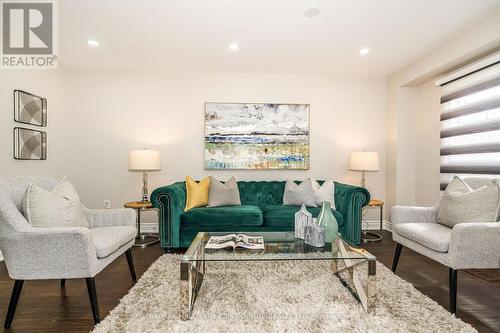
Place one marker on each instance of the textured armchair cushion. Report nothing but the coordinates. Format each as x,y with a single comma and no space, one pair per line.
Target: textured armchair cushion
431,235
481,205
223,194
230,216
109,239
60,207
284,216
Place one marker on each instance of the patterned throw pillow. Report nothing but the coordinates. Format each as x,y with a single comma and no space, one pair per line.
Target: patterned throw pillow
196,193
221,194
60,207
299,194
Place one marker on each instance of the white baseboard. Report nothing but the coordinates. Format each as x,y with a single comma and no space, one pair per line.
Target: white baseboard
372,225
375,225
149,227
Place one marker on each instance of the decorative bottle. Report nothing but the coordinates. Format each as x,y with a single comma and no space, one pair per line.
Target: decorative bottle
327,220
302,219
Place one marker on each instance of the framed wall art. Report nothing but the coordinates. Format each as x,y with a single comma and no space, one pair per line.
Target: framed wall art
30,109
29,144
256,136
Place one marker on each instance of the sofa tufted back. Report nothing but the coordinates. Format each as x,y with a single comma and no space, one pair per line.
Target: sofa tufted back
260,193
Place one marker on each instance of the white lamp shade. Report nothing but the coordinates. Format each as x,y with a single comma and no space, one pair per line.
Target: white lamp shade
364,161
144,160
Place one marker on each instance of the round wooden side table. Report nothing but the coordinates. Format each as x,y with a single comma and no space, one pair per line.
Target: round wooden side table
374,237
142,239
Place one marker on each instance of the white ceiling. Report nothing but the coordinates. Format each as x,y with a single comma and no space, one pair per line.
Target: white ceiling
273,35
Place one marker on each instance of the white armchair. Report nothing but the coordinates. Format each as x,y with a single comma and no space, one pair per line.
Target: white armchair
60,253
465,246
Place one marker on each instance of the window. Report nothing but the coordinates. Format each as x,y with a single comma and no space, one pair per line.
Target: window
470,124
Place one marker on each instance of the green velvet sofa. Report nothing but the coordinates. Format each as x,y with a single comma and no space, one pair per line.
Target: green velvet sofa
261,210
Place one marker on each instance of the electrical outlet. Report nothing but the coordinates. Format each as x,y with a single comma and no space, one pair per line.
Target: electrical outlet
107,204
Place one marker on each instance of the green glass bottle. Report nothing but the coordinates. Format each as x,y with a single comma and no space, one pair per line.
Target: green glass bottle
327,220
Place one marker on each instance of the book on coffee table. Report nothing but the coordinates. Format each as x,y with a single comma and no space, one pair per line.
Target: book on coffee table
235,241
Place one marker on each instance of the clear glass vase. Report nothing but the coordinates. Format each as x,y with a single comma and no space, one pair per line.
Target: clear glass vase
327,220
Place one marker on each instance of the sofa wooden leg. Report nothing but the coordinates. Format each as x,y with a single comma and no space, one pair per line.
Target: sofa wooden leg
130,261
397,253
453,289
93,299
63,283
16,292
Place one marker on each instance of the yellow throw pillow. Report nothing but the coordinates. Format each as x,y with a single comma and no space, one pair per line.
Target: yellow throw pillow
196,193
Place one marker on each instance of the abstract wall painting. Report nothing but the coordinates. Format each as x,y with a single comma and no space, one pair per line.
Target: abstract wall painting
256,136
29,144
30,109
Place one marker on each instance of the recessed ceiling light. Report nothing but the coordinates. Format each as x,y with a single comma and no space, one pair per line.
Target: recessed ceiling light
93,43
364,51
234,47
312,12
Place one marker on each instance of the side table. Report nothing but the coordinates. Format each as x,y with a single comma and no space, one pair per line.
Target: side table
142,239
374,237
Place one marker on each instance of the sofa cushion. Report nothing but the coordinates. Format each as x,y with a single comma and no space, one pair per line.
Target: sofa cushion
244,215
109,239
431,235
284,216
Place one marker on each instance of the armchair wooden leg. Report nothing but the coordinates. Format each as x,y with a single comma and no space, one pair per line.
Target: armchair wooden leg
93,299
453,290
397,253
16,292
130,261
63,283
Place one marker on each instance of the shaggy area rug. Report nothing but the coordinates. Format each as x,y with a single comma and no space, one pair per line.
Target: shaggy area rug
274,297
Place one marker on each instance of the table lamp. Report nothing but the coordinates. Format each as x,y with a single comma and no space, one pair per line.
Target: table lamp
144,160
364,161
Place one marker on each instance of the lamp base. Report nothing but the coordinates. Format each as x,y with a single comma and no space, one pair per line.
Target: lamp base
145,194
374,236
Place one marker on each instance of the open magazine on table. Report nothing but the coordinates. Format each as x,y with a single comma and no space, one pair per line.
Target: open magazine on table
235,241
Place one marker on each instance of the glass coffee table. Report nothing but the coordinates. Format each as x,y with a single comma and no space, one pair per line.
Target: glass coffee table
345,262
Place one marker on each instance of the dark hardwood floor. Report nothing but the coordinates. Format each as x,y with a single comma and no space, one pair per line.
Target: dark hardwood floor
45,307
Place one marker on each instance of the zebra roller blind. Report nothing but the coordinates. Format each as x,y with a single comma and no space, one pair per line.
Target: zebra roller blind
470,125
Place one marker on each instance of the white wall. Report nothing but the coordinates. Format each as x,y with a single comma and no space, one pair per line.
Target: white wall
104,114
49,84
427,144
413,114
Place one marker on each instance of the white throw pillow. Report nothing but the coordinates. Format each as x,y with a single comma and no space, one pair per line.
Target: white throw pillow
457,185
60,207
481,205
324,192
299,194
226,194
